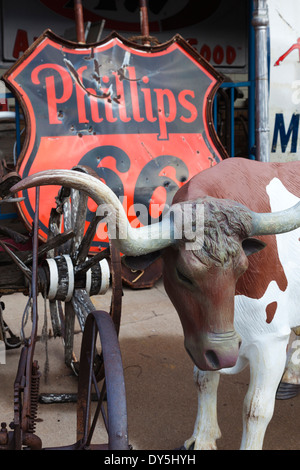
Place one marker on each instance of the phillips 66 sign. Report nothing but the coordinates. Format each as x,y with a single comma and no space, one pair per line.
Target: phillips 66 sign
141,117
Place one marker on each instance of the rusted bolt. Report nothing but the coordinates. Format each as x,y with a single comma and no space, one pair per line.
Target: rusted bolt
3,435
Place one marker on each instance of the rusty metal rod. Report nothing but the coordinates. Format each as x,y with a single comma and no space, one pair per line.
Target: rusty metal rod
79,21
144,21
34,287
144,18
29,384
26,271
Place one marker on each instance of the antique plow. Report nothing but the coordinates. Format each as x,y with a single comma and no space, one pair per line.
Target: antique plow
101,372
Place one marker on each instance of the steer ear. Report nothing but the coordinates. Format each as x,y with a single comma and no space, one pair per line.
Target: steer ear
140,262
252,245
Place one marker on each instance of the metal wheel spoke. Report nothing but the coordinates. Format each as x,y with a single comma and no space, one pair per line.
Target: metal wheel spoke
82,305
53,228
55,318
67,223
78,216
69,333
84,247
99,409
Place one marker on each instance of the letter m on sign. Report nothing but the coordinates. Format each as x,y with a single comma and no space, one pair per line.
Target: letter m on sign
286,137
140,117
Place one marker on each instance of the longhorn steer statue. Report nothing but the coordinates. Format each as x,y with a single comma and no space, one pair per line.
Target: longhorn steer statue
235,309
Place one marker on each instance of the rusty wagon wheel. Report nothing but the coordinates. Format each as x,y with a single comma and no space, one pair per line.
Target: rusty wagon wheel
74,276
99,328
110,395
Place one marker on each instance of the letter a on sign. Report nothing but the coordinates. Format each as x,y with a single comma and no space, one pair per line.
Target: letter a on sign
141,117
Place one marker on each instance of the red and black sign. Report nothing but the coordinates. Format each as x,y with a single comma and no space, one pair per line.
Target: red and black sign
139,116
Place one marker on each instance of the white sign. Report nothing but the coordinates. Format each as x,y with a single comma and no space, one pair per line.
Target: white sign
284,79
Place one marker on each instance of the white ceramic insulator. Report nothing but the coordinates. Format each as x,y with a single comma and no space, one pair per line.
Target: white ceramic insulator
53,271
105,276
88,281
71,282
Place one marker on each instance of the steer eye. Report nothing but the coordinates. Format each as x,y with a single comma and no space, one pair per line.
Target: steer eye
183,277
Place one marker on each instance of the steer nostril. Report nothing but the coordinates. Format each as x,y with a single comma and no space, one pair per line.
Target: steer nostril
212,359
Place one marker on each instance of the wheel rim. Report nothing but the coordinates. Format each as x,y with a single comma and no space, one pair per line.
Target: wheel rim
113,388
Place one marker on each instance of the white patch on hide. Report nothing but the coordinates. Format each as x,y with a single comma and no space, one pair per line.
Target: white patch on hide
250,314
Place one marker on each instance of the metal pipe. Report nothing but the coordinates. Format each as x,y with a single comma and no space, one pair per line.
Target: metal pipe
251,93
232,133
260,23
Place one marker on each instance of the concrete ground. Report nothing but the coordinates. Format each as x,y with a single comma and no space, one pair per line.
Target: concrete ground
161,398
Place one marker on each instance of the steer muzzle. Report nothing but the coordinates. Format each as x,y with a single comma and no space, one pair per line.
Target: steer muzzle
213,351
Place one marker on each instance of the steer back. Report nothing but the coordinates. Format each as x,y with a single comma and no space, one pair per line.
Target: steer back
202,284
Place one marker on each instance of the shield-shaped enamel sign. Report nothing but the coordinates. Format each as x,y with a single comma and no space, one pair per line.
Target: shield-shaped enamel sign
140,116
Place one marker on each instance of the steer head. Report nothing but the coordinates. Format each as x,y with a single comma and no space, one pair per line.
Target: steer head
200,274
201,282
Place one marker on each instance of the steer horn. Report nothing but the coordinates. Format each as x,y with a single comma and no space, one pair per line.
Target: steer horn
131,241
143,240
275,222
